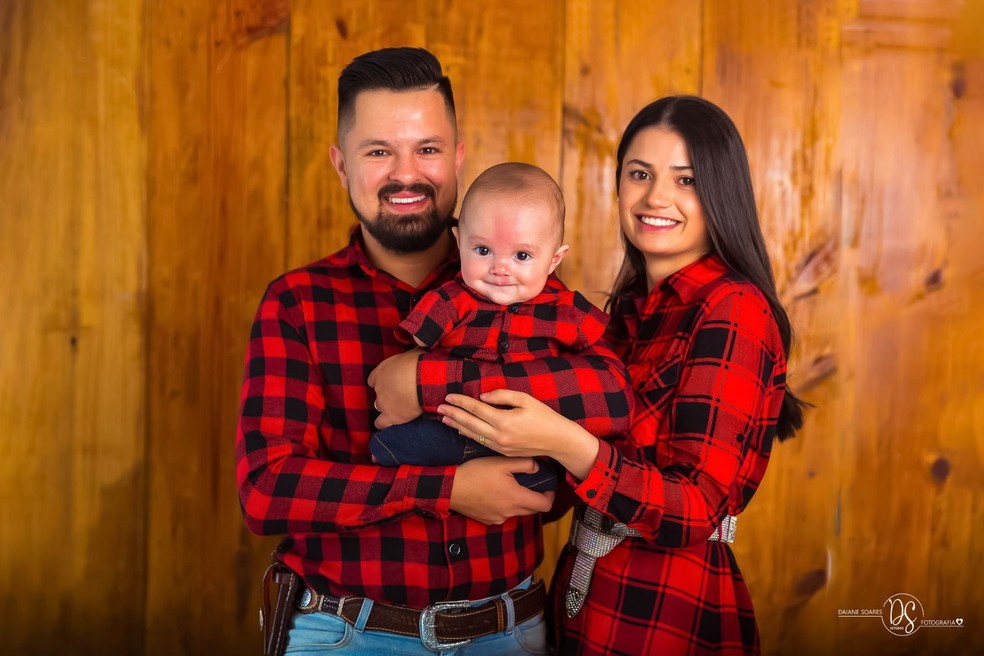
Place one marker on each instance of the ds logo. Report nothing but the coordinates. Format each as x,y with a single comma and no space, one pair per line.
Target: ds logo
902,614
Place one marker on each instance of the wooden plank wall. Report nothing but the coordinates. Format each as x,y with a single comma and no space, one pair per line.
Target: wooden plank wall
161,162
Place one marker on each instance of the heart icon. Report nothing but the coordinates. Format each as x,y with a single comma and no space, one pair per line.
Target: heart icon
959,621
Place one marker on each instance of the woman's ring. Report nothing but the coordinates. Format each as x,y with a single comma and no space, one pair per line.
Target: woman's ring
481,440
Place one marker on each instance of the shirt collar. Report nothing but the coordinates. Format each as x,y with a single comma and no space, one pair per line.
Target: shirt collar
686,282
355,256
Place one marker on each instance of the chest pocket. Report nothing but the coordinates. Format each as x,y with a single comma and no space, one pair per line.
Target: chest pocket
656,382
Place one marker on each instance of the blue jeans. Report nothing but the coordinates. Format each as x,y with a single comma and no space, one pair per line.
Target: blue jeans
426,441
321,633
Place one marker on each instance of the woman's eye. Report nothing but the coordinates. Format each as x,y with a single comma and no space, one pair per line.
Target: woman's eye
638,175
482,250
687,181
523,256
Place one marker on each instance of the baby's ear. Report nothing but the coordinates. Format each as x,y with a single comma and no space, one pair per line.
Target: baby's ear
457,238
559,256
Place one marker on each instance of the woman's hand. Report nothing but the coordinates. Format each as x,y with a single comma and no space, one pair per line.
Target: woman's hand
515,424
395,383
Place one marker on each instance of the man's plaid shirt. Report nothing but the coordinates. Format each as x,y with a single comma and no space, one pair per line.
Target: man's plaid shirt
303,463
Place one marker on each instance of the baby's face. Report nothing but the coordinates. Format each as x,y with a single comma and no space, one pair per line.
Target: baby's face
509,246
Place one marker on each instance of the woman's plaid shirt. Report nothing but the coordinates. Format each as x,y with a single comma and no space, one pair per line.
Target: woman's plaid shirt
709,369
303,463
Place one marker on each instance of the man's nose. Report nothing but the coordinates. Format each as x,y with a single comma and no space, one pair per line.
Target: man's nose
405,170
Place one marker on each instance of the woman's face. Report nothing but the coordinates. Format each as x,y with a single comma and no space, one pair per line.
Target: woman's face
658,206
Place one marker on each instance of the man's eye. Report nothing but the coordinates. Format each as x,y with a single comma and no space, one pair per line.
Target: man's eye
523,256
376,153
429,151
482,250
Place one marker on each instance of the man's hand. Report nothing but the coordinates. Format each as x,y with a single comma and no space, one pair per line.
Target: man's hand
395,383
486,490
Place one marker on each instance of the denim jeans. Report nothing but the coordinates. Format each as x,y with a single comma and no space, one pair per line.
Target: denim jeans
321,633
426,441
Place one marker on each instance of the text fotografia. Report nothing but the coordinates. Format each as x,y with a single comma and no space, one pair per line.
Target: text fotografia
902,614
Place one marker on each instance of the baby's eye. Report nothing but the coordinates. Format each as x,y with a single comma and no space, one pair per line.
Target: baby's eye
482,250
523,256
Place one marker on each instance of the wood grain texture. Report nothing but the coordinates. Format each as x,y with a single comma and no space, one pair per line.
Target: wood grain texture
72,161
218,213
161,162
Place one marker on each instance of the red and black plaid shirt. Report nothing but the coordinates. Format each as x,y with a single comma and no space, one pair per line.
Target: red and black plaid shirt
303,463
709,369
465,325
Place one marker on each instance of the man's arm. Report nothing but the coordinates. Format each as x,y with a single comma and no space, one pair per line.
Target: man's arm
287,483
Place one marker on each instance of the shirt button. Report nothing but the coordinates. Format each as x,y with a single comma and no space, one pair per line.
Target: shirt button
503,344
591,494
454,549
514,308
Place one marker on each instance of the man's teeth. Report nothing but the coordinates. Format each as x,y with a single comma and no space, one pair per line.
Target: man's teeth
406,201
657,222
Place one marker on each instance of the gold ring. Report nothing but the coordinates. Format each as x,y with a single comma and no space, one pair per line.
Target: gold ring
481,440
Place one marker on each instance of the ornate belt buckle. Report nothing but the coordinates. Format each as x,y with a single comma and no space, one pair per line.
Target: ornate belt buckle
428,625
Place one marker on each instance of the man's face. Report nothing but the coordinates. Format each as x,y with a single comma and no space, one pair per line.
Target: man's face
399,160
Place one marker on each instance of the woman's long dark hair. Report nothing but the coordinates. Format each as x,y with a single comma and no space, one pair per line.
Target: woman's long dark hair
724,188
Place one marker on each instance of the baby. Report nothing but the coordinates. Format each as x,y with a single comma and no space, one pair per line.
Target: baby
505,306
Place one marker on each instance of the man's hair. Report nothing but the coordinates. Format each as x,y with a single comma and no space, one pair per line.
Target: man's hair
395,69
517,179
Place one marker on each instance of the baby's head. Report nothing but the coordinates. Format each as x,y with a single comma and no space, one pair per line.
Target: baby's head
510,232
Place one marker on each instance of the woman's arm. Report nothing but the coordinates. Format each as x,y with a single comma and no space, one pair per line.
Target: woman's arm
707,442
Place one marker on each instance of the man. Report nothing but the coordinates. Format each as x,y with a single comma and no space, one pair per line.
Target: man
387,555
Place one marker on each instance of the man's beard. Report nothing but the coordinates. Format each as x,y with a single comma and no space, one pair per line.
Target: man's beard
406,233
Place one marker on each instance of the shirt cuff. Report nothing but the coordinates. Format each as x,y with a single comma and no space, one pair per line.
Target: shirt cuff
428,490
598,486
437,376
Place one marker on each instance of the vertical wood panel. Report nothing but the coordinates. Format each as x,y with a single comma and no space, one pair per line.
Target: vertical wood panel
72,155
909,486
218,236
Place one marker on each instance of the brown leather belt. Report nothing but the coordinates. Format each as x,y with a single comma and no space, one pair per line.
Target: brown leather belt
443,625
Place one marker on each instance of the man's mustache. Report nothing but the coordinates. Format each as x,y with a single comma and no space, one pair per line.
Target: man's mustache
416,188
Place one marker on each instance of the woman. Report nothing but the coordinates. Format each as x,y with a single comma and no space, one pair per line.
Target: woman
696,316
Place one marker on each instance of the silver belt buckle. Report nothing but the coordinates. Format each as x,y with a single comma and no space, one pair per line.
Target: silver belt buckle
428,625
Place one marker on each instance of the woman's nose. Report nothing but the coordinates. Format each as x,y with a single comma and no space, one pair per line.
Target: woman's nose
660,194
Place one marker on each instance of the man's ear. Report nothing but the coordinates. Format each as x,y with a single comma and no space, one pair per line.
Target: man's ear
338,161
559,256
459,157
